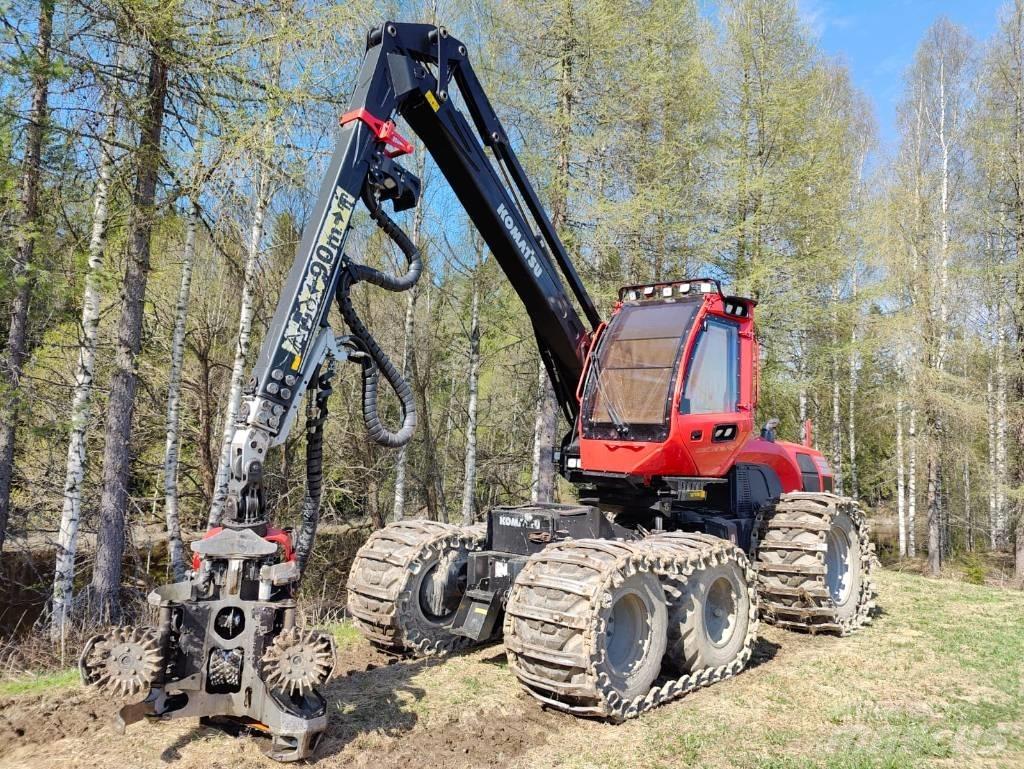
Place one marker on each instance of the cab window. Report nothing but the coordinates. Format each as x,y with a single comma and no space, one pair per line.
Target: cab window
712,380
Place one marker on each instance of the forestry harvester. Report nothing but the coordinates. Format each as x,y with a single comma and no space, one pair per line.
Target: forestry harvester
691,525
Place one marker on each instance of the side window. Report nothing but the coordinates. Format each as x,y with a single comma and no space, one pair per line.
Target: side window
712,380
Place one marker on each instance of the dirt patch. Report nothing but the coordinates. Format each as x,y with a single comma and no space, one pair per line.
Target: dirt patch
55,715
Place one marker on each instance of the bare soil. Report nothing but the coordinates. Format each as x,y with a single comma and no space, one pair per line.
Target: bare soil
938,680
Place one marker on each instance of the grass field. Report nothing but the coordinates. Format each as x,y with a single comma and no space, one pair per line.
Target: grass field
937,680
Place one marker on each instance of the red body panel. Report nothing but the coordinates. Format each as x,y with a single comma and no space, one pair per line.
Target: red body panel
689,449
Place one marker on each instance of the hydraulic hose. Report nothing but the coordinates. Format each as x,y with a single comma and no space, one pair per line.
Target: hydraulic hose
314,466
373,359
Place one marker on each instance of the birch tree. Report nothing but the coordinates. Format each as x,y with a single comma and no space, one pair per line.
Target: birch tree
171,516
85,373
469,470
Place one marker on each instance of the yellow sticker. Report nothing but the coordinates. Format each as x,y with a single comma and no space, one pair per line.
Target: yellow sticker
432,101
296,363
480,610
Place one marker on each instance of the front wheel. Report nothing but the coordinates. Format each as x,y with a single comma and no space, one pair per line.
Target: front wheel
815,562
406,583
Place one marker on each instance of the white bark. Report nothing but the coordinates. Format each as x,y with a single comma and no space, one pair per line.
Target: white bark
851,425
85,371
174,546
469,476
837,432
542,478
261,203
990,402
944,223
408,340
803,414
901,491
398,510
912,484
1002,429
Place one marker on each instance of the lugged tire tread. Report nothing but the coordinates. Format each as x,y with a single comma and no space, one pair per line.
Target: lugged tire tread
555,658
379,584
791,564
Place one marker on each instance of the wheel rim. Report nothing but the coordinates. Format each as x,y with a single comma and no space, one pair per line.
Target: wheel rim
837,564
441,593
628,634
720,612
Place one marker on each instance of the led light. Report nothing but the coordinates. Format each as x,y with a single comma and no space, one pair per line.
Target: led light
684,288
705,288
631,296
573,463
666,291
648,290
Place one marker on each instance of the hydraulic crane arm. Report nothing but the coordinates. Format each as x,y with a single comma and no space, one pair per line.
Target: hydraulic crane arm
408,70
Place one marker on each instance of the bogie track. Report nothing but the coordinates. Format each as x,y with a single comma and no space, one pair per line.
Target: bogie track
406,582
562,620
814,563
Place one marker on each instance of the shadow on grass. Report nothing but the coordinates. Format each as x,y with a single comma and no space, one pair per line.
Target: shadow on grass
763,651
380,699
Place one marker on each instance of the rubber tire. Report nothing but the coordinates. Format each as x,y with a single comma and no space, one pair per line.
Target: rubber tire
386,577
691,647
848,608
644,591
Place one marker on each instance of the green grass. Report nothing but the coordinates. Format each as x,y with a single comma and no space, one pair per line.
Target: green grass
345,634
39,683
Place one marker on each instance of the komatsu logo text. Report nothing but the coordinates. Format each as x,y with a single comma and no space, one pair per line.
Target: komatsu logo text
517,236
519,523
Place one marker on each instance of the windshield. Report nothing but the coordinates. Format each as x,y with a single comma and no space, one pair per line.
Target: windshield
629,384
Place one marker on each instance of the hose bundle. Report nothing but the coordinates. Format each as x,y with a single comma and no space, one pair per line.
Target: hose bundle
373,359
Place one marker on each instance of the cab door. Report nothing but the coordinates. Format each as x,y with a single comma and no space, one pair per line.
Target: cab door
712,420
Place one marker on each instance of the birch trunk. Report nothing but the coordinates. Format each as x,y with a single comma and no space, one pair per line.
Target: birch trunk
24,247
174,546
837,432
81,402
1002,429
932,498
837,424
398,511
851,424
113,513
408,340
943,223
991,461
912,484
901,492
802,399
469,475
542,483
245,314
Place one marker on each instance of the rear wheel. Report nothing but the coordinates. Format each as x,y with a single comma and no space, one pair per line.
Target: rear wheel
589,623
709,618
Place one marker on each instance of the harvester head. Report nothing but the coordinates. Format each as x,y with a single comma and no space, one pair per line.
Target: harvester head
225,648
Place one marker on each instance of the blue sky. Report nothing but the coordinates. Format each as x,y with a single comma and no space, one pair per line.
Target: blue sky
877,40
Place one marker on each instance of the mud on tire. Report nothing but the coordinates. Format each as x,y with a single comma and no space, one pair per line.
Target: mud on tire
815,562
406,582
